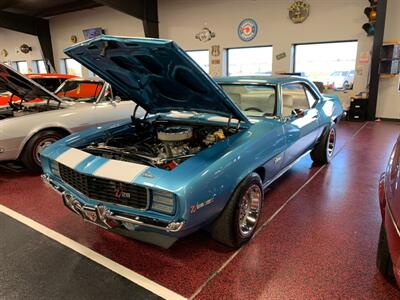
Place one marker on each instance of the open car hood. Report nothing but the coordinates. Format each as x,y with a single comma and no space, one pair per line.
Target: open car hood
157,74
21,86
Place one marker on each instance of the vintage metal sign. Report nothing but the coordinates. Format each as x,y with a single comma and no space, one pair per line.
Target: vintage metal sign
247,30
205,35
299,11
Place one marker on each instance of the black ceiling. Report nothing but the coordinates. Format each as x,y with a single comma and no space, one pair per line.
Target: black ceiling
45,8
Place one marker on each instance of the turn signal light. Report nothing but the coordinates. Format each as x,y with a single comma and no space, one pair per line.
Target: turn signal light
163,201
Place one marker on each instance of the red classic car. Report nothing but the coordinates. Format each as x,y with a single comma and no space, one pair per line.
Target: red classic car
49,81
388,258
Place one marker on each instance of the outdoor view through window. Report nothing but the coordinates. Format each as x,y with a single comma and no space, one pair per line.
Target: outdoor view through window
250,61
331,63
201,57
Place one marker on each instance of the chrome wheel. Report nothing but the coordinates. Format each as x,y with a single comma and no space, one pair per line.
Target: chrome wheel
331,142
249,210
41,145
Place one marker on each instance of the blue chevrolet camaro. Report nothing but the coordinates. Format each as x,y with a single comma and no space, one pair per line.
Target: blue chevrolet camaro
201,156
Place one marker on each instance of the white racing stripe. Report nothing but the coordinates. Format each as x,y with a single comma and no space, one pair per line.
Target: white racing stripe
120,170
94,256
72,157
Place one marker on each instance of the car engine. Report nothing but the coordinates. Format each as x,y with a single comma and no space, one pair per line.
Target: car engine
159,144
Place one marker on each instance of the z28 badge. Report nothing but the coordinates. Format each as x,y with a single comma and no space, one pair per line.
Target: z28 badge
197,206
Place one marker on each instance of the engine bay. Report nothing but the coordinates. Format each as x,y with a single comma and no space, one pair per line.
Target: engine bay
160,144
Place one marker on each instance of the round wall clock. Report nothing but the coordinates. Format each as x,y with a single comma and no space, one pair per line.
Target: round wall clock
247,30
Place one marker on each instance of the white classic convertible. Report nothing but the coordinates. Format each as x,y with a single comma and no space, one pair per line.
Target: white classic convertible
41,117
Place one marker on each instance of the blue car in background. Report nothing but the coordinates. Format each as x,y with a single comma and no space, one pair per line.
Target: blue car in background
202,155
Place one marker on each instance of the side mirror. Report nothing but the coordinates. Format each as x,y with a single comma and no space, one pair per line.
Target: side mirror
298,112
116,100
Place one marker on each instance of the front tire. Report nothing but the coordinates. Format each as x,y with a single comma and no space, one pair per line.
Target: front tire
324,150
383,259
30,155
238,221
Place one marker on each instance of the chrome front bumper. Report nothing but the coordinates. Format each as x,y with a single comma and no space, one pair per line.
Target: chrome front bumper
106,218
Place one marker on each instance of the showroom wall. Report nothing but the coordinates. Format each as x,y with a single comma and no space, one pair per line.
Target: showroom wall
114,22
11,40
388,95
328,21
180,20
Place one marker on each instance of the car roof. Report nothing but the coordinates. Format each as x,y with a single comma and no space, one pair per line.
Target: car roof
276,79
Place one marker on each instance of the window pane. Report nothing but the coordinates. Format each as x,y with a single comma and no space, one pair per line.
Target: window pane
331,63
23,67
250,61
201,57
293,97
73,67
253,100
311,98
41,66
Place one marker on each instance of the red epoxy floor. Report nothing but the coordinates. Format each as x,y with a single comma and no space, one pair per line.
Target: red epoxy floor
322,244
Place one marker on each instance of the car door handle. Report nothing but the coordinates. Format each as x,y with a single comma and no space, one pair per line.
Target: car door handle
315,116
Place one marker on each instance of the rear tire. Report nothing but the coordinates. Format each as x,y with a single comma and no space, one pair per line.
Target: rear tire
324,150
383,260
238,221
30,155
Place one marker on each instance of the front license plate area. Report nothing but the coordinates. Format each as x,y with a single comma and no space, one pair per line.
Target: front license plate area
89,215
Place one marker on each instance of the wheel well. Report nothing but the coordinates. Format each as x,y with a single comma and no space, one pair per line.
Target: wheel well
58,129
261,172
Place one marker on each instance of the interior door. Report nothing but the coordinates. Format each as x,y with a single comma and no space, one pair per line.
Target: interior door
300,121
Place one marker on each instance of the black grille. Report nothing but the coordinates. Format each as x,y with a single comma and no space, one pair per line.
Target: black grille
106,190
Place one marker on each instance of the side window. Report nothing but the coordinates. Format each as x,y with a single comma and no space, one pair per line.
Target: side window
293,97
311,98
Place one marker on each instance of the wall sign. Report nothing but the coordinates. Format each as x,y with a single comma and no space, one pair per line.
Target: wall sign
299,11
247,30
4,53
24,48
205,35
215,50
281,56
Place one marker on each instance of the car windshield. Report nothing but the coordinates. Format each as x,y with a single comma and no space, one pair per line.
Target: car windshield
80,91
49,83
253,100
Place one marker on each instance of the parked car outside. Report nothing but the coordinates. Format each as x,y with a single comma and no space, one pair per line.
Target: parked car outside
203,155
388,258
27,127
341,80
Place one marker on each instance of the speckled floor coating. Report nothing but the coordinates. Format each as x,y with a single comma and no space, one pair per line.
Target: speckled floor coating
321,245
